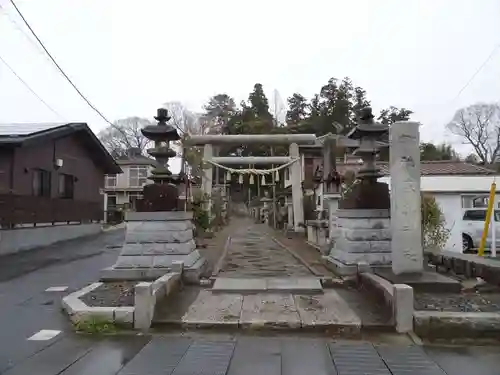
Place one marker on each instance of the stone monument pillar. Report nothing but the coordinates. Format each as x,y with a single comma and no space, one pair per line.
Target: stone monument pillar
363,221
407,253
406,250
158,236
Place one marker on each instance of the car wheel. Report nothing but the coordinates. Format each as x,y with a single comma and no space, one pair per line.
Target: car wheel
467,244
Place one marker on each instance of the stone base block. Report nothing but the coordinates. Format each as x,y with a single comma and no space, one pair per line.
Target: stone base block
190,275
424,282
372,258
302,285
340,268
457,325
156,261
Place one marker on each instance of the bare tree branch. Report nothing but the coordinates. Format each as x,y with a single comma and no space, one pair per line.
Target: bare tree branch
125,134
479,126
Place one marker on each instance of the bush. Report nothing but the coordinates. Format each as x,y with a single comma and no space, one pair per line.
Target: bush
201,217
434,233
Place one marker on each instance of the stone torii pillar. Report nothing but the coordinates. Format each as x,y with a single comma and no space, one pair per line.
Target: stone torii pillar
206,179
297,195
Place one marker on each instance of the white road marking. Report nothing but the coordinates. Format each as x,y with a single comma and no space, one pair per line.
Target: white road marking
44,334
56,289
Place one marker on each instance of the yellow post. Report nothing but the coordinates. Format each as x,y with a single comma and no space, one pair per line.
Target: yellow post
491,204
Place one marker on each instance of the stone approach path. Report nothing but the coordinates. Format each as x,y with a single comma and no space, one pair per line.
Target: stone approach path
253,253
342,310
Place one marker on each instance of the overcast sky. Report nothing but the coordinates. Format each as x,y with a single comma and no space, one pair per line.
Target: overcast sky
128,57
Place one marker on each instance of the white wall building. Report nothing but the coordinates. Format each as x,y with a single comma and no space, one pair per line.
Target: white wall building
454,184
121,190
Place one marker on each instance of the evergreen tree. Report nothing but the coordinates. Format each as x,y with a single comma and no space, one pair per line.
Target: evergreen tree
392,114
259,103
219,110
297,109
430,151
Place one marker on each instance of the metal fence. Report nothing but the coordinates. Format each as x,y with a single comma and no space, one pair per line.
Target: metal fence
16,210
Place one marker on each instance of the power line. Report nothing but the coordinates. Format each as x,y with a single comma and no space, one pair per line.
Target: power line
19,28
62,71
58,67
29,88
477,71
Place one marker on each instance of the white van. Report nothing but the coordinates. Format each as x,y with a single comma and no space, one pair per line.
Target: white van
473,226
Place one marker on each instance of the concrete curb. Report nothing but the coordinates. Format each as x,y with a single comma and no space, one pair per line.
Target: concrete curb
454,325
397,297
113,227
79,312
341,330
147,294
139,316
220,261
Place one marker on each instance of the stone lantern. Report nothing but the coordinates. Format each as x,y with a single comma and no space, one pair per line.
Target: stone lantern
367,192
363,218
163,194
159,237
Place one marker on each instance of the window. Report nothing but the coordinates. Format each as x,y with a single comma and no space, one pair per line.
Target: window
138,176
479,215
475,215
287,173
111,201
110,180
41,183
66,186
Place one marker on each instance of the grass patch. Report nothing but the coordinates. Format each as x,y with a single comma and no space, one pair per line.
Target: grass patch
96,326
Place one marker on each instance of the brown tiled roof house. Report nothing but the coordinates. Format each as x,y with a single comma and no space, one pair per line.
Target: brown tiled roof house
430,168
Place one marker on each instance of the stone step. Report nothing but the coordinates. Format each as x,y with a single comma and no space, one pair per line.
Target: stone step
299,285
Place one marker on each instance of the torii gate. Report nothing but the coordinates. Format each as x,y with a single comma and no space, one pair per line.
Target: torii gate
292,140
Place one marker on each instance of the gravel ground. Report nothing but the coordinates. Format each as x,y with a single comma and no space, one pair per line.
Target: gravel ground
111,294
460,302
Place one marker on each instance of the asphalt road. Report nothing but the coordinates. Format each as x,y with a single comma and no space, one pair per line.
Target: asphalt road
26,309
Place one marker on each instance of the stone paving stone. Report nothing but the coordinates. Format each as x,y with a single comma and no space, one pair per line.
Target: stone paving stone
357,358
214,309
206,358
295,285
269,310
160,357
225,284
53,359
325,310
108,356
306,356
256,356
408,360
